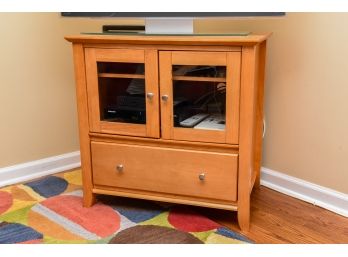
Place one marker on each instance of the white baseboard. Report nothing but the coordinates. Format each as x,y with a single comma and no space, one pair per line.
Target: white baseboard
306,191
30,170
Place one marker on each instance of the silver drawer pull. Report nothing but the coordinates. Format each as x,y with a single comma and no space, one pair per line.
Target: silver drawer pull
119,167
150,96
201,176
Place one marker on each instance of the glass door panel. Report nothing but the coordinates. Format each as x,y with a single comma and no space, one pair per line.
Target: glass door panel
124,93
200,96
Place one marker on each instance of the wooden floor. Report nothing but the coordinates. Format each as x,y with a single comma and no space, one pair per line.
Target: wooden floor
278,218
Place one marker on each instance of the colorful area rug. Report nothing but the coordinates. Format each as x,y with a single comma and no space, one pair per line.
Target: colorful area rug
49,210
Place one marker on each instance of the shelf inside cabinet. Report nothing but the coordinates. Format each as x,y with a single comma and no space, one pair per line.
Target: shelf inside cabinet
121,75
192,78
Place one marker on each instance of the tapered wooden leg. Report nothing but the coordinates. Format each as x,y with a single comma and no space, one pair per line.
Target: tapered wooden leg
258,179
244,216
89,199
85,148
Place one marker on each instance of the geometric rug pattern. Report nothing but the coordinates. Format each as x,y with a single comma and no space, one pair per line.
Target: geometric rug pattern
49,210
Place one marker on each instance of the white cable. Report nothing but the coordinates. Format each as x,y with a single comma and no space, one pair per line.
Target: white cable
264,128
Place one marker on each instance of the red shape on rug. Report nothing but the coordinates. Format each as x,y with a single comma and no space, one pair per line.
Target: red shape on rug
5,201
99,219
189,221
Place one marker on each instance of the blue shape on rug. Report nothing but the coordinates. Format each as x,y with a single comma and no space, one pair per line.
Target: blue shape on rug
11,233
231,234
48,187
135,210
138,215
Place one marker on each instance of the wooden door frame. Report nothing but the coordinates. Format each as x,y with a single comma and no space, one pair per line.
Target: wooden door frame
150,59
232,61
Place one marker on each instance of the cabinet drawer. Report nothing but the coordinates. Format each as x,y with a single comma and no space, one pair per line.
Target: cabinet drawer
165,170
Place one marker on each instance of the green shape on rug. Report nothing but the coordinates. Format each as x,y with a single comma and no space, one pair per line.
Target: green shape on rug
203,235
17,216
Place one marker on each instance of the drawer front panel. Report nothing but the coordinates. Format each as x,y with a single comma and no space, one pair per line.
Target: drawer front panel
179,172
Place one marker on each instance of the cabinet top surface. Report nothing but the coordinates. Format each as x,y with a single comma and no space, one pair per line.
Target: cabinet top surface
250,39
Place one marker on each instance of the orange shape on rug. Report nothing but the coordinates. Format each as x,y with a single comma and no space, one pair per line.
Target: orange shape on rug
20,194
99,219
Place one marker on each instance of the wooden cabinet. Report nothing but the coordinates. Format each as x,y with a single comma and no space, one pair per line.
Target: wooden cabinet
171,118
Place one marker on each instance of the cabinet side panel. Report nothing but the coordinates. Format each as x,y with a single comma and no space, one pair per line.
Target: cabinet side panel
82,107
246,134
232,97
259,111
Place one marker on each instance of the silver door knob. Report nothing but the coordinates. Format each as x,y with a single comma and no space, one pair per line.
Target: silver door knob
119,167
165,98
201,176
150,95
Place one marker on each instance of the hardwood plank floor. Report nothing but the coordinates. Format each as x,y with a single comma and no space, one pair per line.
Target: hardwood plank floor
278,218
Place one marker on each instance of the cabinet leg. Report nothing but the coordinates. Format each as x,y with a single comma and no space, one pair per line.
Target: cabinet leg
257,180
88,199
244,217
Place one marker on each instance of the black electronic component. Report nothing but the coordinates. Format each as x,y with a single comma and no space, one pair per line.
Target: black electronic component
128,109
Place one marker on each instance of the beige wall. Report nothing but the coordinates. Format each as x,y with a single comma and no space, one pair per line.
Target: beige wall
305,102
37,99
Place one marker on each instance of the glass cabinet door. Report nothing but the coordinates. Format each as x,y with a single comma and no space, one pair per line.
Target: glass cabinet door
123,91
200,96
